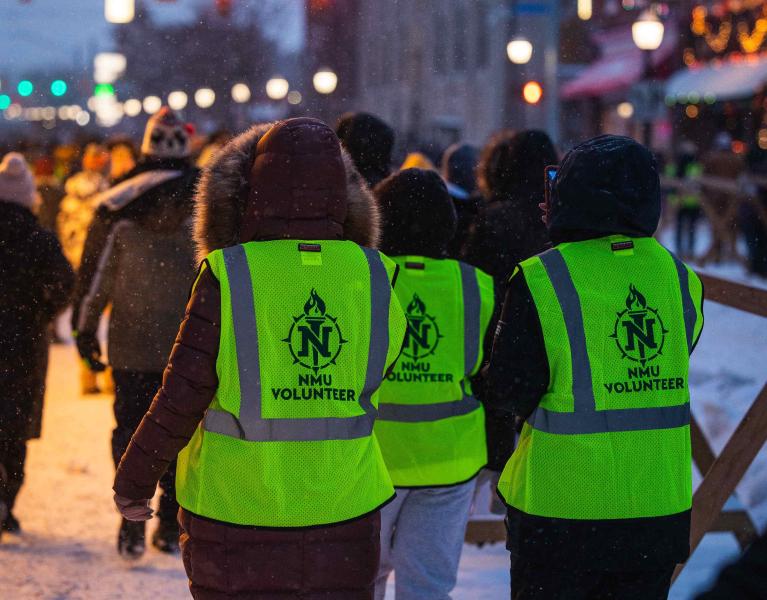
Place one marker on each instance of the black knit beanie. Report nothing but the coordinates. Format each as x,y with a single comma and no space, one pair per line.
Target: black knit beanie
418,216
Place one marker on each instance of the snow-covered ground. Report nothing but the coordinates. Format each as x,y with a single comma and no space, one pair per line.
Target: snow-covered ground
67,551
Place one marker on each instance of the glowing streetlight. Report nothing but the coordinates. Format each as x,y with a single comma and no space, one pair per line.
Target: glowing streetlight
177,100
585,9
532,92
519,51
204,97
83,118
108,66
240,93
119,11
647,31
325,81
277,88
132,107
625,110
152,104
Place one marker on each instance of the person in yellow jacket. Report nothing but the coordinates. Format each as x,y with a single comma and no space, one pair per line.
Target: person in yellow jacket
592,352
431,427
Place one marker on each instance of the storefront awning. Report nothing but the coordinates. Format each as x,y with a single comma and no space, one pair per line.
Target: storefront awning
730,80
620,65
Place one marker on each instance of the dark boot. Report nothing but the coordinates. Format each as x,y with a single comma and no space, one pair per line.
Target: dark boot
3,505
11,524
131,542
165,537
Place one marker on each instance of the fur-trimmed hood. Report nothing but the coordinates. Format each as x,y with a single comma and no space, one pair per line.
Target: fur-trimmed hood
223,195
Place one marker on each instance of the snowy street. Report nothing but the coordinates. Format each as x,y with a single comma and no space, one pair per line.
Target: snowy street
67,550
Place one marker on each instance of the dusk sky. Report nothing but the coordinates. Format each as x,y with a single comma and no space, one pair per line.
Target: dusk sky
42,34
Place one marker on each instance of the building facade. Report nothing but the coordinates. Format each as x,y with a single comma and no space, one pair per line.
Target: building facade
433,69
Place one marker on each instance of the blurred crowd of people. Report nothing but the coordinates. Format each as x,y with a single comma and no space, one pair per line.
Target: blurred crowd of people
723,187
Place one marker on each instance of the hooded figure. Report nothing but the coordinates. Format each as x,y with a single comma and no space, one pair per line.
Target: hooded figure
508,227
459,165
36,283
289,181
433,461
370,142
624,531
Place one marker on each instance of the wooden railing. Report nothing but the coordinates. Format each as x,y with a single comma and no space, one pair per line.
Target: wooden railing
724,473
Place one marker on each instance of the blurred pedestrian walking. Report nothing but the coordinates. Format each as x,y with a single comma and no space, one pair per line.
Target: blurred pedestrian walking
370,142
508,228
280,497
430,425
685,200
592,351
459,165
81,200
145,268
36,283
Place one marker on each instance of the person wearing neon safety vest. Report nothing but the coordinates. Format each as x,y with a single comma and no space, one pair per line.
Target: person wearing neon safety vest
592,353
430,426
272,388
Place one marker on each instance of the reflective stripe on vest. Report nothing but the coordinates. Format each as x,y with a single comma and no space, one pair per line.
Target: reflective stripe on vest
251,426
586,418
418,413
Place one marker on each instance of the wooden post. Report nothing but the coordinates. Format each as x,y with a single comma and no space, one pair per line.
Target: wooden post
728,469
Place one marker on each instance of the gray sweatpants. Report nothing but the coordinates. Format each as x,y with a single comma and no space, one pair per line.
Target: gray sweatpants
422,534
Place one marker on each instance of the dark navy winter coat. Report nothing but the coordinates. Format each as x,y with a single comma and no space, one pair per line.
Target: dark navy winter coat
35,283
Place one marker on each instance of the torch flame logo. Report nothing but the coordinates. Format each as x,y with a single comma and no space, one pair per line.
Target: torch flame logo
416,308
635,300
315,306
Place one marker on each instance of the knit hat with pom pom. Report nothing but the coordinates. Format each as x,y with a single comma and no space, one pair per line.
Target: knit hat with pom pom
166,136
16,182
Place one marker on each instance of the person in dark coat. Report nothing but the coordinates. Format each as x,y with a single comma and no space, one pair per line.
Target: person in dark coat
164,174
508,228
224,560
370,142
145,269
607,186
459,166
36,283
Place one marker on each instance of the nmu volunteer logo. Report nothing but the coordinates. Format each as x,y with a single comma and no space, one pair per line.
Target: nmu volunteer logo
640,336
422,334
639,330
315,339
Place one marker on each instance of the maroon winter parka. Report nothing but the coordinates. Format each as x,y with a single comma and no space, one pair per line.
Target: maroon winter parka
291,180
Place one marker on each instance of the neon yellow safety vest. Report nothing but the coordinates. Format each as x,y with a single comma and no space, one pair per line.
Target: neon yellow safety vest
686,199
308,331
430,426
611,437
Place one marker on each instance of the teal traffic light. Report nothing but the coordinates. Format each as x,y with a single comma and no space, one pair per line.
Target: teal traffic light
25,88
5,101
58,87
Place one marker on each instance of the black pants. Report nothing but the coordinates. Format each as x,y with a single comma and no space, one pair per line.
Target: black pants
686,220
134,391
13,454
539,582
